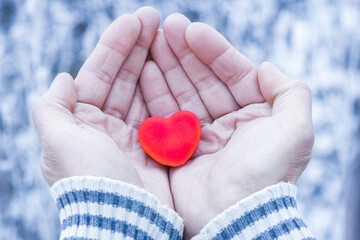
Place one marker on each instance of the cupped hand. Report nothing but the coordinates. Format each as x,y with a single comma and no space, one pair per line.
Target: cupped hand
256,122
89,126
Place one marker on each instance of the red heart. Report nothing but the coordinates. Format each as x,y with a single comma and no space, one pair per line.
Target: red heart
171,141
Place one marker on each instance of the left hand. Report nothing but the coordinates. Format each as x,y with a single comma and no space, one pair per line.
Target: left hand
89,126
256,123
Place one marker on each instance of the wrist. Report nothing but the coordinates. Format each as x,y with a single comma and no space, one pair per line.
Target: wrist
269,213
100,207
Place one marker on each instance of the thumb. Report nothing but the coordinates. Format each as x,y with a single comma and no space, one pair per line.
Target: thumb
56,105
291,104
288,97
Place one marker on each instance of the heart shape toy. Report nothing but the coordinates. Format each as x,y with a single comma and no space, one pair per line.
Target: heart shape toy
170,141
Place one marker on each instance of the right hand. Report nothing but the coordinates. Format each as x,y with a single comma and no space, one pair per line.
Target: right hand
256,122
89,126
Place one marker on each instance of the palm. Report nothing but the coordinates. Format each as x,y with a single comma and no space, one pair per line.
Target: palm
233,166
233,150
246,140
113,144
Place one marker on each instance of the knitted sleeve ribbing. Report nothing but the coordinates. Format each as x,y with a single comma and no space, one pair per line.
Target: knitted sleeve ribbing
268,214
99,208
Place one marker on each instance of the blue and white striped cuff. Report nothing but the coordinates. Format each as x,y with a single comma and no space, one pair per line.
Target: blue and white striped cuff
100,208
268,214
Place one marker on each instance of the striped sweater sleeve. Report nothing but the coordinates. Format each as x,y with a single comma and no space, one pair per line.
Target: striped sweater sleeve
100,208
268,214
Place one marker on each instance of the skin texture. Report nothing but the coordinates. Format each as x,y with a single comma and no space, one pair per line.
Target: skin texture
89,126
256,122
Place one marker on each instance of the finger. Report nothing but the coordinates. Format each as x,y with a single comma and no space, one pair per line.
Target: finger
56,105
138,111
157,95
214,93
95,77
178,82
122,91
233,68
290,99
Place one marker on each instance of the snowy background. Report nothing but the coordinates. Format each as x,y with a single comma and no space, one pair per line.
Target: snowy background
314,40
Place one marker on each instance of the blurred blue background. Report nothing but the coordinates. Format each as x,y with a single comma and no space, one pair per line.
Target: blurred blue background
317,41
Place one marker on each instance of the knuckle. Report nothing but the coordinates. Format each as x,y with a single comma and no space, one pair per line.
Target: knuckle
302,86
184,97
64,75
